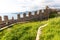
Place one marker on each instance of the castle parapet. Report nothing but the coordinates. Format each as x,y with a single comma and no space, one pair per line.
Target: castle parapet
38,15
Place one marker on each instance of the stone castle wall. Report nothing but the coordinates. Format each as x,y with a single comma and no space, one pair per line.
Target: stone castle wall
37,16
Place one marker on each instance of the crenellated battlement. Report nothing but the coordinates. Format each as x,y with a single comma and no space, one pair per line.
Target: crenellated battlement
38,15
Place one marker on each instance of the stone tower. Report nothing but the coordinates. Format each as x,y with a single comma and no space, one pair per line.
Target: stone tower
47,7
46,12
40,14
18,17
40,11
36,15
0,19
12,18
6,19
29,14
35,12
24,15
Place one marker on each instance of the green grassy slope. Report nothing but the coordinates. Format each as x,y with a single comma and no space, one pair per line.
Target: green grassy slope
52,30
25,31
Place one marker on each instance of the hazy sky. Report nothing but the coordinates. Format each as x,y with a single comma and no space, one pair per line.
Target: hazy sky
9,6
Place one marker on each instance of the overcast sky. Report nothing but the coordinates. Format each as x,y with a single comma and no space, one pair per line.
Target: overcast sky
12,6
